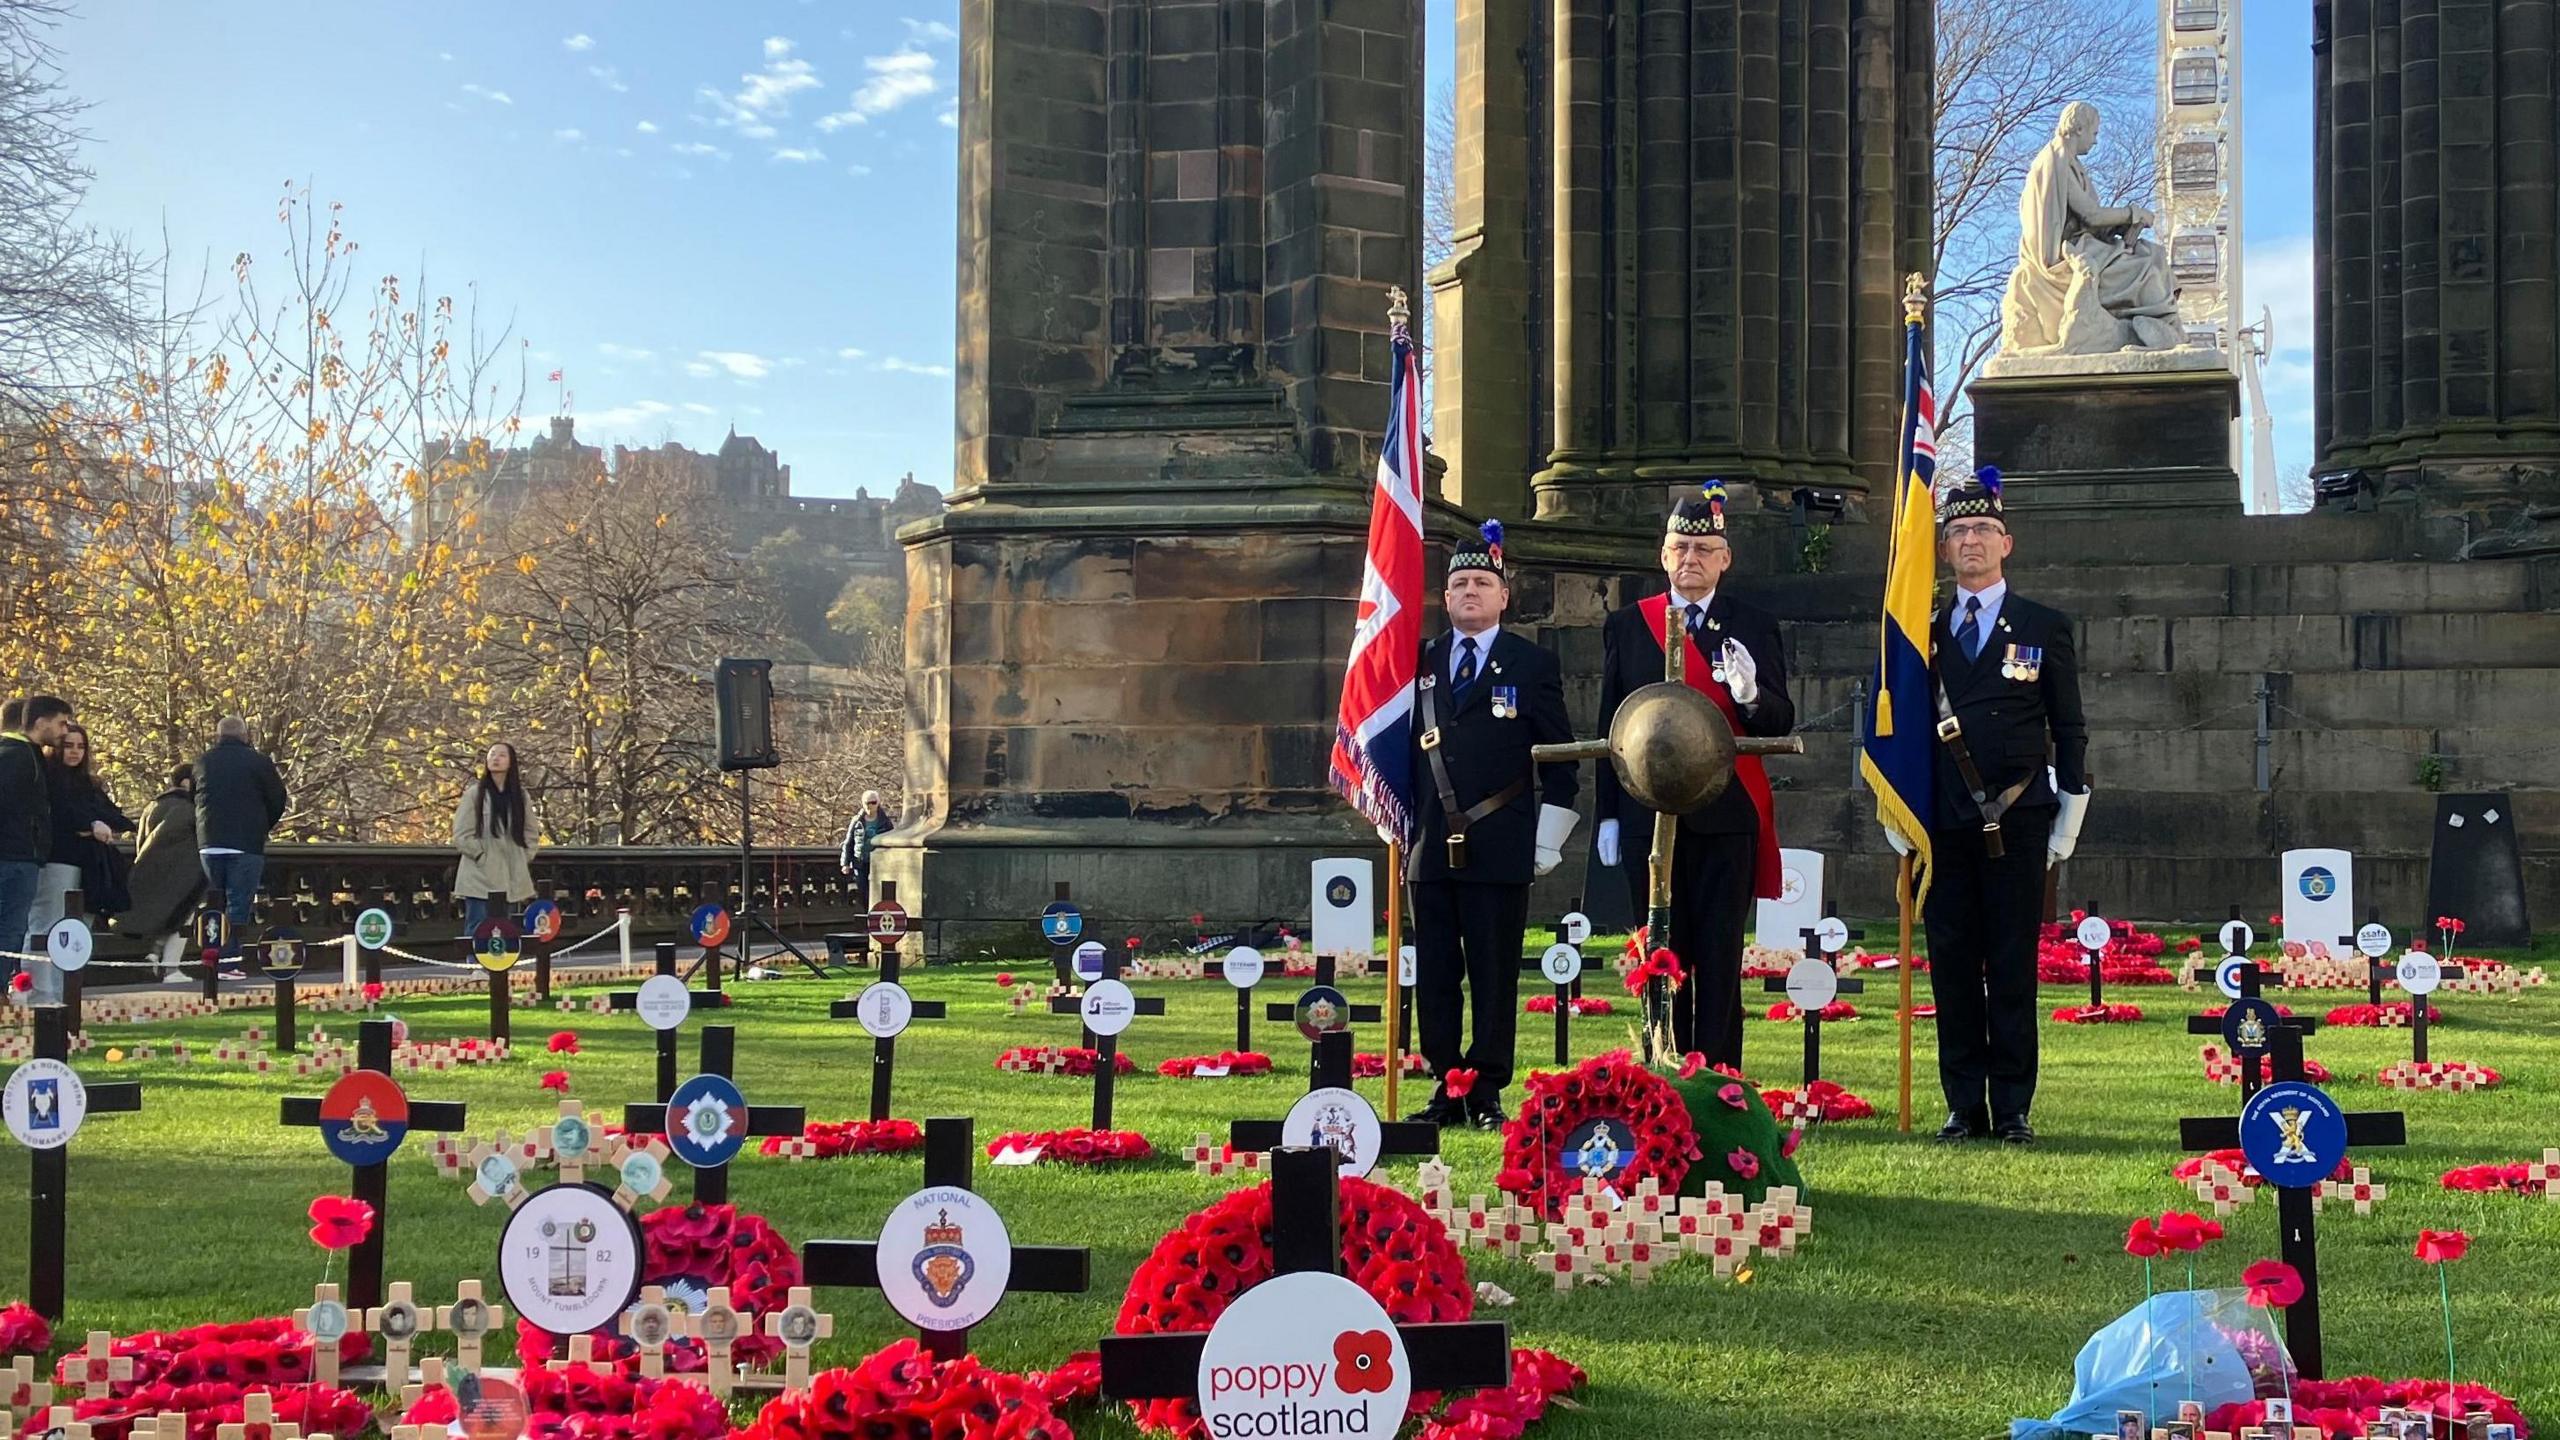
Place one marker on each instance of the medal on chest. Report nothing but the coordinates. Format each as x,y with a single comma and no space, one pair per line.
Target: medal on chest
1506,702
2022,662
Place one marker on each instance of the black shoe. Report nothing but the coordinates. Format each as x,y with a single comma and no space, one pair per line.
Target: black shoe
1963,1127
2016,1131
1442,1112
1488,1116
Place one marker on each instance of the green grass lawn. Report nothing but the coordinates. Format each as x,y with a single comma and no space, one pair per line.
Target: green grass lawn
1943,1291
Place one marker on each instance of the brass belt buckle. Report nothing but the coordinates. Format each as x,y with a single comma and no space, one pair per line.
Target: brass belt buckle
1458,851
1431,741
1949,728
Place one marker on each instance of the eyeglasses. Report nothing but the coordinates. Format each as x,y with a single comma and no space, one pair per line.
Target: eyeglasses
1695,547
1976,530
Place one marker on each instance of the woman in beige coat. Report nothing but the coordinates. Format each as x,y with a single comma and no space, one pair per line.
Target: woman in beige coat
495,828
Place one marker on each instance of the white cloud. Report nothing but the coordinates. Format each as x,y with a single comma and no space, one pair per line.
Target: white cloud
2277,276
624,417
581,41
494,97
445,55
622,150
950,116
857,169
777,46
611,351
696,147
698,408
798,155
926,32
743,364
851,353
763,95
647,127
568,135
909,367
895,80
609,77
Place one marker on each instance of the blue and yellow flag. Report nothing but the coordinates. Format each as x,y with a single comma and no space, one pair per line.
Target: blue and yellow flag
1899,758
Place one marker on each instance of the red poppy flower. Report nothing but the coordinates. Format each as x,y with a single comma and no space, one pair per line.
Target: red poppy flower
2140,1240
1691,1064
372,991
1731,1094
2186,1232
23,1331
1005,978
1364,1362
564,1042
2442,1247
1787,1146
556,1080
1458,1082
2272,1284
22,982
1744,1164
340,1222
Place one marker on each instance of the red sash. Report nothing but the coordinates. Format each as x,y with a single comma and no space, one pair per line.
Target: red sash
1747,769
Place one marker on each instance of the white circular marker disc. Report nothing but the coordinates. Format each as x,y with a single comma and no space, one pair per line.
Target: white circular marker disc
2093,933
373,928
2419,972
1305,1354
1243,967
569,1259
1408,967
67,945
664,1002
1343,1119
2374,941
1812,984
2226,976
1832,934
884,1010
1562,964
944,1258
1089,958
43,1104
1108,1007
1576,928
2237,937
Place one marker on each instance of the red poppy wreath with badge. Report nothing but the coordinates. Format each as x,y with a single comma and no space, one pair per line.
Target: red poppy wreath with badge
1609,1119
694,1249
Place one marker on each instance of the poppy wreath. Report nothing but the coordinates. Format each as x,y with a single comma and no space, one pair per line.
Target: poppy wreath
1060,1060
833,1139
1563,1111
209,1405
1374,1067
2342,1409
692,1250
1078,1146
240,1354
1391,1247
2532,1178
901,1391
1822,1100
2457,1076
1582,1005
1538,1377
2192,1168
1786,1013
23,1331
2097,1014
2365,1016
581,1402
1234,1062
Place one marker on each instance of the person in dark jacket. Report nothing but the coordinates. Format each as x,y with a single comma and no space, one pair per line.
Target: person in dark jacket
27,725
861,837
239,799
86,823
167,872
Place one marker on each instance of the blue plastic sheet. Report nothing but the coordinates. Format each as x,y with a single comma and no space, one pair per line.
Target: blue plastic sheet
2210,1346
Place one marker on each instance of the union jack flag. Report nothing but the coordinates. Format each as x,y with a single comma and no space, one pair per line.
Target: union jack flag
1372,743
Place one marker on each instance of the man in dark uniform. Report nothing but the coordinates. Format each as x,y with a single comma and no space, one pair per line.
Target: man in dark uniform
1726,854
1482,697
2011,795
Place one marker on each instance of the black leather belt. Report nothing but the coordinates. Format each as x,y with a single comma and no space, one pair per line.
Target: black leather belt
1951,735
1459,819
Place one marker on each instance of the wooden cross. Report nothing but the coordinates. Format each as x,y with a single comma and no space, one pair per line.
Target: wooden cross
884,1048
2417,1003
2297,1215
98,1366
1566,994
1106,1047
799,1326
2252,981
469,1320
717,1326
649,1325
430,1377
282,954
655,1149
630,1000
22,1388
719,1057
1306,1234
398,1321
1846,985
2373,977
2358,1189
505,938
1333,1071
1062,946
258,1412
1287,1011
2545,1175
49,1171
574,1159
372,1183
326,1320
950,1156
58,1425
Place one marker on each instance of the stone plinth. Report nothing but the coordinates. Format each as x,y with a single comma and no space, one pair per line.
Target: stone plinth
2111,443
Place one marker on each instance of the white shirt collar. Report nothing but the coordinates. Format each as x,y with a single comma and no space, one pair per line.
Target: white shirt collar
1483,638
1990,596
1680,602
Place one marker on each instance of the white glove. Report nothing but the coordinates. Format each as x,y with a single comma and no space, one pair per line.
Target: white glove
1741,673
1900,845
1555,826
1606,840
2066,822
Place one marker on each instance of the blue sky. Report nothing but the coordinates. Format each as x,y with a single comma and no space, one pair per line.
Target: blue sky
714,214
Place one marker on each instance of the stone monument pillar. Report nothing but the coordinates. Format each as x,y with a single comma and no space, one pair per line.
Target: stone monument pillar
2437,277
1179,221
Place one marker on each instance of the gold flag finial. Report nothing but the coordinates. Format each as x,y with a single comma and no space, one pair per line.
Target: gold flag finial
1398,311
1915,296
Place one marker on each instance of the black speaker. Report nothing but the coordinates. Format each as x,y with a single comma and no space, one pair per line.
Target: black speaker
745,706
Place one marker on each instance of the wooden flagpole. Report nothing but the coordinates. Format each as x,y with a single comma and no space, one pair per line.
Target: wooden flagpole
1395,973
1902,900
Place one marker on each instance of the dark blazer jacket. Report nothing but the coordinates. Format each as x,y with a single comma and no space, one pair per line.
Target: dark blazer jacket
239,798
2012,727
1632,660
1485,752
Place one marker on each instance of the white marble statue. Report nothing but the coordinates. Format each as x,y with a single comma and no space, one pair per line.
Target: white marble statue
2087,282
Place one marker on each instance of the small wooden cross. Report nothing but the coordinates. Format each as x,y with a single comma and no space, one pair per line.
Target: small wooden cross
98,1366
398,1321
20,1389
469,1319
654,1148
580,1151
2221,1187
1568,1266
2544,1175
648,1326
258,1410
718,1328
508,1178
1793,1220
799,1326
2358,1189
430,1377
326,1321
58,1425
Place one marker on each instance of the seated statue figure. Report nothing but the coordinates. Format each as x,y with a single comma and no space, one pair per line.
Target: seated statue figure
2087,282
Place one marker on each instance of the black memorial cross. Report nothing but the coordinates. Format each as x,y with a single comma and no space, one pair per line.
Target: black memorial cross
884,1048
719,1057
2096,959
2252,978
49,1171
1332,1070
667,1058
1287,1010
1566,993
372,1183
2297,1217
1306,1235
2376,975
1106,1048
2381,972
1845,985
950,1157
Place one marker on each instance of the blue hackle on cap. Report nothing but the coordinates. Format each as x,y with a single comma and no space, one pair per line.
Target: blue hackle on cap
1989,475
1492,532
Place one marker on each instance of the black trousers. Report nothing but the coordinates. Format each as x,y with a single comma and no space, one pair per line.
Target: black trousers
1711,905
1467,933
1981,919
